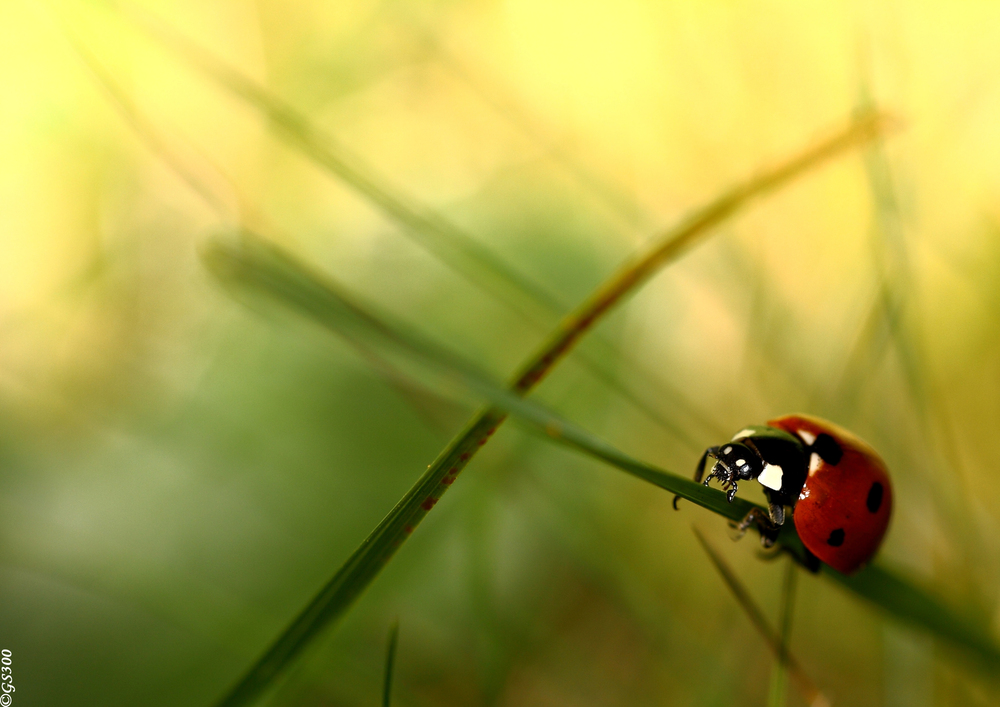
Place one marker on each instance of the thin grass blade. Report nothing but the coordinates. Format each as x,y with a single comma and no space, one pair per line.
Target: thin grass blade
390,663
774,641
779,673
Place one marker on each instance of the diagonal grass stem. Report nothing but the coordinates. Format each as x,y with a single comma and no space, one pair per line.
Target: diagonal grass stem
775,641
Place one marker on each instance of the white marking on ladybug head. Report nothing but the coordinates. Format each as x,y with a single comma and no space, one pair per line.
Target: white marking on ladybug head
771,476
804,494
741,462
727,450
741,434
815,462
807,437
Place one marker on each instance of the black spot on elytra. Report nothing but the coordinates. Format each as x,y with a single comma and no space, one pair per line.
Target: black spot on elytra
874,501
828,449
836,538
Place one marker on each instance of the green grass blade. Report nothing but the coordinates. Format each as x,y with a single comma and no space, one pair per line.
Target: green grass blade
891,592
390,662
431,408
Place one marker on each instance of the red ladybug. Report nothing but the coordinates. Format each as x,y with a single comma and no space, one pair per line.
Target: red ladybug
837,486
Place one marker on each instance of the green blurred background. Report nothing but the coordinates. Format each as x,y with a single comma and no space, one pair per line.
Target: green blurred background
179,474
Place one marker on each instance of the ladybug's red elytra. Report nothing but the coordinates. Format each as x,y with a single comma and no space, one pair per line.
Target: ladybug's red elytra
836,485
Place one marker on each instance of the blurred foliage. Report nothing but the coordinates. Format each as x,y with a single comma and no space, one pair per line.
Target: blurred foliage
178,476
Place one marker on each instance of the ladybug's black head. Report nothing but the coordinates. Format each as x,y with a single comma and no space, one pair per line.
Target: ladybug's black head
734,462
739,460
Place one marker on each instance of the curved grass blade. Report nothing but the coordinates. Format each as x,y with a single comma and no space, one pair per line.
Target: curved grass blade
263,268
390,662
776,642
362,567
890,591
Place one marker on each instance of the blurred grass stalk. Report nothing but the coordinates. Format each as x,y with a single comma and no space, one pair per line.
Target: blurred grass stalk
390,663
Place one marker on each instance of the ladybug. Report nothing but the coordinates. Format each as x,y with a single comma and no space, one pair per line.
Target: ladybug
836,485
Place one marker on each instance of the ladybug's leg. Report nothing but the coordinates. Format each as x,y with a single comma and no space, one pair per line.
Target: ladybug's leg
811,562
720,471
699,471
725,475
768,530
775,509
754,516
